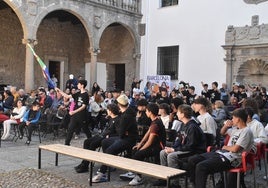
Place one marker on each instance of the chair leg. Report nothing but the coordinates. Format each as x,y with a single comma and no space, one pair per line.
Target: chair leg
265,167
225,179
39,134
238,180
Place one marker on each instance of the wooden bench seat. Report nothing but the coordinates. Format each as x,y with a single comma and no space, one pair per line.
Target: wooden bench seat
149,169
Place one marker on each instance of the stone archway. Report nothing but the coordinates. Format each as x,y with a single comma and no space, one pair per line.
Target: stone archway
12,51
117,47
62,39
253,71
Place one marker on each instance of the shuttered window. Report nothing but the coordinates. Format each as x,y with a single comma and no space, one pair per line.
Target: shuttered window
168,61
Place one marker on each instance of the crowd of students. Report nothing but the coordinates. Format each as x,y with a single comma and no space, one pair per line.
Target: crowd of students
173,127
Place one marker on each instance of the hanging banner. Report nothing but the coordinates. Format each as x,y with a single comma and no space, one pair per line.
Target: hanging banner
160,81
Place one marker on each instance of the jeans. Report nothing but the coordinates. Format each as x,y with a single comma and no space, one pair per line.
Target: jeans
200,166
91,144
30,129
114,146
172,159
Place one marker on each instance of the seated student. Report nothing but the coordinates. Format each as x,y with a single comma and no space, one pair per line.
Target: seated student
143,121
94,142
208,124
192,141
164,110
241,139
29,120
152,142
174,123
219,113
128,135
256,127
15,117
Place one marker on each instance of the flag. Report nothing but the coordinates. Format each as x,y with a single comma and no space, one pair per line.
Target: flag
43,66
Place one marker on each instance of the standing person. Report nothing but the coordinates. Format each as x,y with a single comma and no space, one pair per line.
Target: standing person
241,139
71,83
224,93
79,114
205,92
128,135
95,88
15,117
191,96
29,120
214,93
147,90
55,80
153,141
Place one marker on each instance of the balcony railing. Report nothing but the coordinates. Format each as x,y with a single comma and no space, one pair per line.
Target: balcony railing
128,5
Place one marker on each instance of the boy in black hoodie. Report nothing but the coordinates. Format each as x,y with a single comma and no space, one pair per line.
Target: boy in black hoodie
127,138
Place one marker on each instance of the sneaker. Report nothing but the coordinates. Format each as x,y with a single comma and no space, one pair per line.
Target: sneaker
265,177
137,180
127,176
100,177
81,168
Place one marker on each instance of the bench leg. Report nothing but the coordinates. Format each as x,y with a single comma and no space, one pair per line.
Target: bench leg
91,173
168,182
39,158
109,174
56,159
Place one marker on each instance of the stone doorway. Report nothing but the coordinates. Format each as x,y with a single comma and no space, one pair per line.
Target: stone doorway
54,69
120,76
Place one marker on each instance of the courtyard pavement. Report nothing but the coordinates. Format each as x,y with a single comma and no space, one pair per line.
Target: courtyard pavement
19,168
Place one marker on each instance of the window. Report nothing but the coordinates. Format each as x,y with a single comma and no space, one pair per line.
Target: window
168,61
166,3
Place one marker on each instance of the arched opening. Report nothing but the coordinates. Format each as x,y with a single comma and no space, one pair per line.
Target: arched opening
63,44
116,58
12,51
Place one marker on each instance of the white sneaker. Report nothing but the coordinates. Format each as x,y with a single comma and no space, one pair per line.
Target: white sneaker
137,180
264,177
100,177
127,176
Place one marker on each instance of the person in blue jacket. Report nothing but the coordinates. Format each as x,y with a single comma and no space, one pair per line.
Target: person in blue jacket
30,120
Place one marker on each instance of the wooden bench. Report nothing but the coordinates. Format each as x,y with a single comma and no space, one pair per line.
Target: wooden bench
149,169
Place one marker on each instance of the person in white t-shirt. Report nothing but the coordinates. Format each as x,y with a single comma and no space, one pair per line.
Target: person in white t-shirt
202,106
256,127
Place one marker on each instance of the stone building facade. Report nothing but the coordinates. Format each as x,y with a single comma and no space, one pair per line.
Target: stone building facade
247,53
70,36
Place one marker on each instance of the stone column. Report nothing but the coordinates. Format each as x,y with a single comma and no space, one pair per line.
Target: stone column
93,67
29,65
229,67
137,58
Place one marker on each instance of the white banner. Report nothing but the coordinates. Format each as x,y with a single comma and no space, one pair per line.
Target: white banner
160,81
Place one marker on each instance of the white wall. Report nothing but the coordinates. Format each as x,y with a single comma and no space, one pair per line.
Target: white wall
101,75
198,27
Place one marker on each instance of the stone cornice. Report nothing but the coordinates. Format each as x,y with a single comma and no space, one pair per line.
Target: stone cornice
254,1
